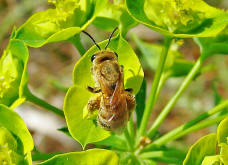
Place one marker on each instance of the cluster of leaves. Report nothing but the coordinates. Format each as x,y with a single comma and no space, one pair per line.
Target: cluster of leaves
173,19
207,147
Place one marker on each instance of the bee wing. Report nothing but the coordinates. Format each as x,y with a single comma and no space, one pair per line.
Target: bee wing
118,100
104,86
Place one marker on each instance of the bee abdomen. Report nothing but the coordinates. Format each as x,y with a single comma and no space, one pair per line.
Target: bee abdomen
115,123
103,123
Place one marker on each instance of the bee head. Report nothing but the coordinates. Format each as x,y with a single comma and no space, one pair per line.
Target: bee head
102,56
107,55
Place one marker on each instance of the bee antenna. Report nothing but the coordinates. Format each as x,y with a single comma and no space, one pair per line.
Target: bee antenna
92,39
109,39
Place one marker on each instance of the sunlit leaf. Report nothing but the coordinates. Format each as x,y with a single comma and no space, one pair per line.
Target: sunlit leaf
16,143
83,130
53,25
13,73
224,153
179,18
77,96
93,156
205,146
211,160
114,15
222,131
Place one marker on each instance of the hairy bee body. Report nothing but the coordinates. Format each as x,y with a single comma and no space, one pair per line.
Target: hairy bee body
113,102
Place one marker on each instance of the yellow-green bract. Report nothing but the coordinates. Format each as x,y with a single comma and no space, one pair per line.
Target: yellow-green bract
53,25
13,73
16,143
92,156
183,18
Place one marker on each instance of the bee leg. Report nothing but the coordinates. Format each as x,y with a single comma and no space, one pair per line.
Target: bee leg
130,102
129,90
93,90
94,103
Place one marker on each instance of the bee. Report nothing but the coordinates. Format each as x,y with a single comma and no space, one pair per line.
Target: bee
113,102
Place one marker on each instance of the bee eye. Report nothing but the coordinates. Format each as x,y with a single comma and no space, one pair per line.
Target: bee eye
116,54
93,57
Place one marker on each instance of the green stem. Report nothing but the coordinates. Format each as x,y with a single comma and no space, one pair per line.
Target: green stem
163,79
175,98
200,125
162,156
76,41
34,99
151,99
172,134
128,140
131,130
196,127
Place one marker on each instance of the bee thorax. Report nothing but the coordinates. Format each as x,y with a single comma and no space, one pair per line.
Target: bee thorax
110,72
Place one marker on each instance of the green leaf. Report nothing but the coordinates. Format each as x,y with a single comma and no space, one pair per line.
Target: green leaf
211,160
140,103
205,146
83,130
11,150
77,96
53,25
38,156
17,127
213,45
178,18
13,73
92,156
114,142
222,131
224,153
65,130
115,15
175,66
16,143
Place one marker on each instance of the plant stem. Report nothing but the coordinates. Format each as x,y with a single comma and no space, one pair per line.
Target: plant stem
163,79
196,127
172,134
151,99
163,156
76,41
175,98
131,130
128,140
200,125
34,99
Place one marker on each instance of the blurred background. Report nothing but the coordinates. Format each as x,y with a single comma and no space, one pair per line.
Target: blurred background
50,73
